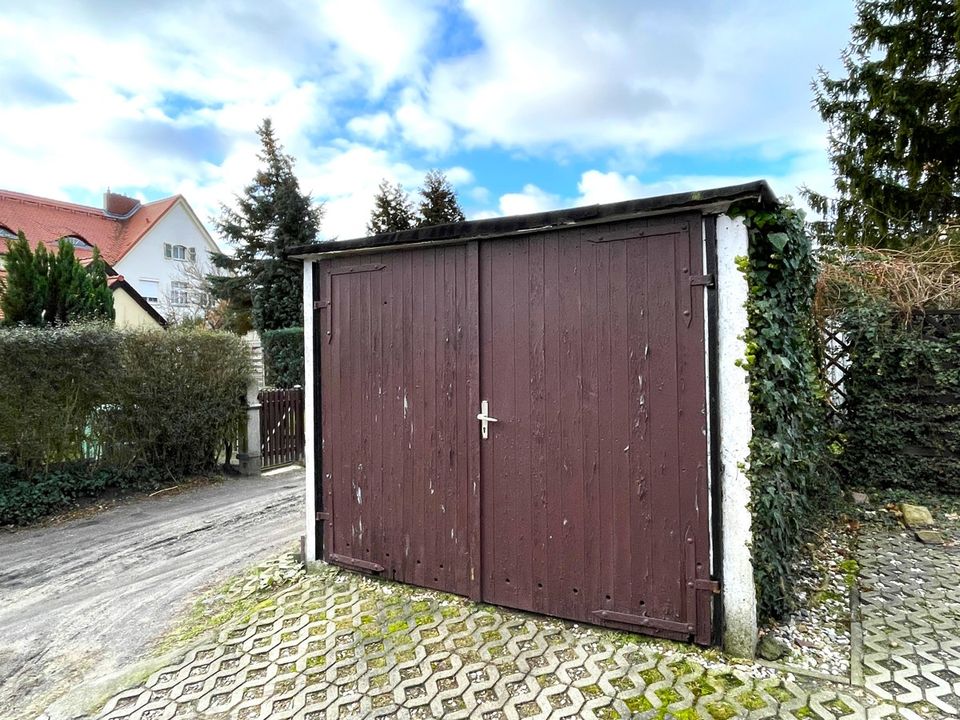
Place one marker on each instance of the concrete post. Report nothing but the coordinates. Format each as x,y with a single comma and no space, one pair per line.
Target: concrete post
249,457
739,592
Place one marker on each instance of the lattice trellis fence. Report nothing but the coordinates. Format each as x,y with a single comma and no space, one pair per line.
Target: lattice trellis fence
938,324
836,367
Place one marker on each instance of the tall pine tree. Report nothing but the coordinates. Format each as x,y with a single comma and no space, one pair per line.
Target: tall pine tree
894,122
271,215
392,210
438,201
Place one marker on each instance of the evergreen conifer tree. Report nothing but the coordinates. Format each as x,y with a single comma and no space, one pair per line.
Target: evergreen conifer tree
44,288
438,201
894,121
22,292
392,210
271,216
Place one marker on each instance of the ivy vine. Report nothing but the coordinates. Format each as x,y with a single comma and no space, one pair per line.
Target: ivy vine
788,468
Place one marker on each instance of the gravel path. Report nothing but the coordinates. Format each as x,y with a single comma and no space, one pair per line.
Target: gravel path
82,602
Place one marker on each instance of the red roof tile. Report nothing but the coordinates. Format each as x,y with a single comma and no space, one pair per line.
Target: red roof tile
44,220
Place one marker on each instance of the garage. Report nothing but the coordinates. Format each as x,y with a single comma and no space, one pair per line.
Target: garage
522,410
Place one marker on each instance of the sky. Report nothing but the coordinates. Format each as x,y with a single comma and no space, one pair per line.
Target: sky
526,105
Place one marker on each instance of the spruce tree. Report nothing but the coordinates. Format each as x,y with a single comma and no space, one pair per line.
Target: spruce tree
392,210
894,124
438,201
271,216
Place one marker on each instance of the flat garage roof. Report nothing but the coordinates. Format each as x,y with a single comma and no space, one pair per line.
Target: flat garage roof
707,201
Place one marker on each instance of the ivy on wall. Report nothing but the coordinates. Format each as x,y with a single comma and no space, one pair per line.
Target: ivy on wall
788,468
900,425
898,312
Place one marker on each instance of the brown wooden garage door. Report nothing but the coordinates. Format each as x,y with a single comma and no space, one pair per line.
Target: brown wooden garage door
588,498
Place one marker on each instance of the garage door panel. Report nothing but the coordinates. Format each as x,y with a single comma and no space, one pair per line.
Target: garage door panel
395,416
590,480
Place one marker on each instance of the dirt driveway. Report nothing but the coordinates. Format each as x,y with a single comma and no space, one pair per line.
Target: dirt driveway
81,601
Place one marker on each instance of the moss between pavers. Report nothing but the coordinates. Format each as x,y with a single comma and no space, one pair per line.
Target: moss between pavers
752,700
668,695
638,704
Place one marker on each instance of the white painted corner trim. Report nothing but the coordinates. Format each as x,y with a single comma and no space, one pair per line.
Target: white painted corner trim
736,430
309,378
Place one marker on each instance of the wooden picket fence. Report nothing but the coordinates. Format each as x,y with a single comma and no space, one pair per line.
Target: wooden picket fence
281,426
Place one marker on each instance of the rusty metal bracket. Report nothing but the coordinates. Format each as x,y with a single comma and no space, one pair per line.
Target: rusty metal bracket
355,563
702,585
644,621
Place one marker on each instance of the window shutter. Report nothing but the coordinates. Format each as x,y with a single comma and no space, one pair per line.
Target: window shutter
193,254
167,250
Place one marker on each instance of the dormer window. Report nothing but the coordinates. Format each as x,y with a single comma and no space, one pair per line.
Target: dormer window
179,252
6,232
77,241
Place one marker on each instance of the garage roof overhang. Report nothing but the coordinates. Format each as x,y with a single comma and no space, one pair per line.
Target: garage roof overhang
716,200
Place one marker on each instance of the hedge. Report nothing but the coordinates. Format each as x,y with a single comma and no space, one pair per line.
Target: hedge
83,406
900,425
28,497
283,357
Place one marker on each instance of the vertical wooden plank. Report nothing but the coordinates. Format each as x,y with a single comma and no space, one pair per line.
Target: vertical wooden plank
555,583
521,469
541,561
471,351
606,531
571,451
431,431
594,592
638,502
668,578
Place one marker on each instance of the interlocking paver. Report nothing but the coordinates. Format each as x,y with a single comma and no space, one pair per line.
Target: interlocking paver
335,644
910,614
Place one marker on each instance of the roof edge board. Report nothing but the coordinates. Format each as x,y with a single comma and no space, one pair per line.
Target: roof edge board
707,202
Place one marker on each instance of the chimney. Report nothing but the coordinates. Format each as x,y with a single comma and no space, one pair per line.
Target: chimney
116,205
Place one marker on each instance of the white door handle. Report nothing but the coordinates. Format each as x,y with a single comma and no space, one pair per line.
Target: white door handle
485,419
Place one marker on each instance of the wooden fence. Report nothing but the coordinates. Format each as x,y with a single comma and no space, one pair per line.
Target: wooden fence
281,426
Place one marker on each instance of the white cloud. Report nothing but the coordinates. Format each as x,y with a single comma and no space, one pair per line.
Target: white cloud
530,200
600,187
641,77
422,129
459,176
374,127
165,96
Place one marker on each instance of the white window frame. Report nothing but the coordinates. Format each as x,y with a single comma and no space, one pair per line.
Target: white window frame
179,294
180,253
151,298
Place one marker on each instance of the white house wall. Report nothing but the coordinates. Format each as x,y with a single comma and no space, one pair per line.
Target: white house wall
146,262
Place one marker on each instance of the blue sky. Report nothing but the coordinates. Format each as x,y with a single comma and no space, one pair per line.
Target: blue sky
527,105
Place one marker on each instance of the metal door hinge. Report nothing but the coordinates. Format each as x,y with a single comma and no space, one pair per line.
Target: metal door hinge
703,280
320,304
712,586
323,516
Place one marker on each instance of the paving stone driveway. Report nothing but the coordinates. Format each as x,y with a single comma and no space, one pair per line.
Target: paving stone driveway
340,645
910,613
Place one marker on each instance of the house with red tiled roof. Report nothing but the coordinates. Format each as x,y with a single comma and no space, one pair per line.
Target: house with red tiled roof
157,247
